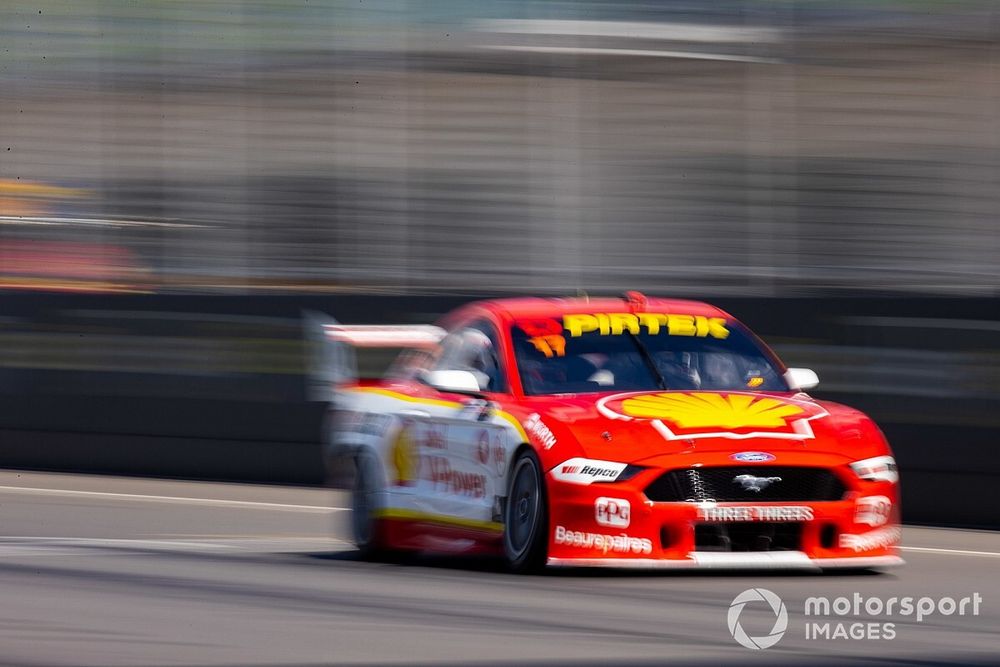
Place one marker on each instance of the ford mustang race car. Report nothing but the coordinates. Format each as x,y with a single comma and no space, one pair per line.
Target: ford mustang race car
631,432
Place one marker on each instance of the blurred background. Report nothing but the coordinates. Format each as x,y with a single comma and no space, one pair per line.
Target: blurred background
179,180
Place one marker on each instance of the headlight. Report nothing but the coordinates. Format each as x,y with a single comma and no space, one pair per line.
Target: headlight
588,471
629,472
877,469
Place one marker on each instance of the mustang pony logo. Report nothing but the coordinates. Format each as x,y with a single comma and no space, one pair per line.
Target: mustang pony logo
752,483
700,410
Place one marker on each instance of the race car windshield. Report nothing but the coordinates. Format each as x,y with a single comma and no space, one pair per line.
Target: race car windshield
557,359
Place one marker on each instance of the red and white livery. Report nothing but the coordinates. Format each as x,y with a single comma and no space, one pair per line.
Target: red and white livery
632,432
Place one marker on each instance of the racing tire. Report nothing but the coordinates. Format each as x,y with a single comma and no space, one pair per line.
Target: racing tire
365,525
525,535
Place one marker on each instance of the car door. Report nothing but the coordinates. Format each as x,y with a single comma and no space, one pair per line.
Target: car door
462,444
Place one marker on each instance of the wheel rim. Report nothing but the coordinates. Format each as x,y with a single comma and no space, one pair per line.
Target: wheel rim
522,508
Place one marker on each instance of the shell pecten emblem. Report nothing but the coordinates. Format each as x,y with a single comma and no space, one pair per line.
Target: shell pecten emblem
703,410
404,459
706,414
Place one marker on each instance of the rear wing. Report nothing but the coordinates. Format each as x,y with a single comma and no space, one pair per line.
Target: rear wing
331,360
384,335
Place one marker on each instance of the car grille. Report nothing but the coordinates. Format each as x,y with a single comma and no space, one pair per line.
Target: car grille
748,537
723,485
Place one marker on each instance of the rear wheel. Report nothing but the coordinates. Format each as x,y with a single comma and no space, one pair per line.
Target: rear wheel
525,538
364,506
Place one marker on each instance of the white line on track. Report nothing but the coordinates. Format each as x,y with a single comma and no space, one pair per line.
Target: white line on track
958,552
248,504
40,542
16,547
647,53
683,32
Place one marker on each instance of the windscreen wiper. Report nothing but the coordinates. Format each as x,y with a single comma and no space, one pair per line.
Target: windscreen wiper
648,359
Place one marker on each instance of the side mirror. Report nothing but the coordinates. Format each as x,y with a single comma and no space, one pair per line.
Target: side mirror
801,378
457,381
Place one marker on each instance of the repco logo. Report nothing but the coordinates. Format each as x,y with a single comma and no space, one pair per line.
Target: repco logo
614,512
587,471
598,472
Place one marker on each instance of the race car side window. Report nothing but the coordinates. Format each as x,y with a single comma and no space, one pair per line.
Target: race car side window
411,363
474,348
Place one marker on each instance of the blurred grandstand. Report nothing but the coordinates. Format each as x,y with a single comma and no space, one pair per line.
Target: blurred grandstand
731,148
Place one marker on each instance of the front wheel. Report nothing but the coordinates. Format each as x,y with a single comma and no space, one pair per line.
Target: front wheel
525,537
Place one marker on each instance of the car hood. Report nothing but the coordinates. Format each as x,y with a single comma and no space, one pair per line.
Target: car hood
638,427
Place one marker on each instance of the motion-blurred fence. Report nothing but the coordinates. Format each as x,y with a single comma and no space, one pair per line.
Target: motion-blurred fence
744,147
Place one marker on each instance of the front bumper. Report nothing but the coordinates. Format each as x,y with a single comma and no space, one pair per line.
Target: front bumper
799,535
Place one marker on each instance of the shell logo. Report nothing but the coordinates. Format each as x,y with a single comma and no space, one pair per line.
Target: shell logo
704,410
404,458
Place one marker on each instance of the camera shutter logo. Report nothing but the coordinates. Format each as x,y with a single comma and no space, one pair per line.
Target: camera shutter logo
780,621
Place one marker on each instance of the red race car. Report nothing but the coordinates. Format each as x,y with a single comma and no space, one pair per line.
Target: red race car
632,432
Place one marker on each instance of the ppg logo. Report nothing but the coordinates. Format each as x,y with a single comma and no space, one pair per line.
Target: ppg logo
614,512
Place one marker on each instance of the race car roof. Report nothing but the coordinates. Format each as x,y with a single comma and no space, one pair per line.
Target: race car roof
518,308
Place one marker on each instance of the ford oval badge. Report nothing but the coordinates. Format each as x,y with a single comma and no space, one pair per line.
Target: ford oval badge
754,457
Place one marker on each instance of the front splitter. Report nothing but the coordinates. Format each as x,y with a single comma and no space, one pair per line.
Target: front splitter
778,560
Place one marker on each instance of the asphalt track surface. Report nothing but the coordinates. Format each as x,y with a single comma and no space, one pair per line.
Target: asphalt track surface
114,571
